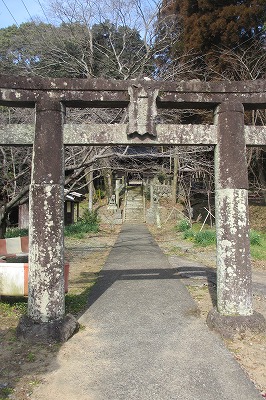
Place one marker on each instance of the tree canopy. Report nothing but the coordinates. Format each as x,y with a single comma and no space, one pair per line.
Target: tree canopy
207,24
206,28
72,50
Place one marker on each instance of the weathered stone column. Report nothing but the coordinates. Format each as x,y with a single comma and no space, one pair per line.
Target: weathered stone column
46,301
46,247
231,181
234,281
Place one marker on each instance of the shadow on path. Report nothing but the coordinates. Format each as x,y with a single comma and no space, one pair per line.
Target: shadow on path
108,277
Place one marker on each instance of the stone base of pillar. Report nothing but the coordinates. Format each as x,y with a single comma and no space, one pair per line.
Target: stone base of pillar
47,332
229,326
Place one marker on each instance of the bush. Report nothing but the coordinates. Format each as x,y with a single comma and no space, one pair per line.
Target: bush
90,217
255,238
88,223
205,238
189,234
183,225
16,232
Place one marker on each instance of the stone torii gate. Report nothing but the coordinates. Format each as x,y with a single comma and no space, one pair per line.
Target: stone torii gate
228,133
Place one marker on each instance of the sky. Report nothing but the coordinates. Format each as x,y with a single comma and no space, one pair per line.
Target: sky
18,11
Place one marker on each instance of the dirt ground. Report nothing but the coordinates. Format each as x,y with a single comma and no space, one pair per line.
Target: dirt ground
23,366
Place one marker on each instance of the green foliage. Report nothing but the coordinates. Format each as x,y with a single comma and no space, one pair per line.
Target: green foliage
258,246
162,176
99,194
75,303
90,217
16,232
183,225
16,53
13,306
5,392
88,223
255,238
126,42
31,356
205,238
189,234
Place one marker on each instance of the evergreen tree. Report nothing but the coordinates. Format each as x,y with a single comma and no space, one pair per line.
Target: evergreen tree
205,28
207,24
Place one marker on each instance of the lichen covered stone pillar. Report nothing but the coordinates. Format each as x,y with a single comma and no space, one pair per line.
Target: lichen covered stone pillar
46,319
46,299
46,246
232,224
234,281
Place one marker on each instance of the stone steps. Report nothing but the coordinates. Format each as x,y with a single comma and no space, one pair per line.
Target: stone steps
134,206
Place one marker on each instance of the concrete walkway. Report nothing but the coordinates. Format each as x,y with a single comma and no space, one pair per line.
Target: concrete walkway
143,339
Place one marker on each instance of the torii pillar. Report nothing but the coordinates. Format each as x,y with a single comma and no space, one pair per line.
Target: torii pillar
234,312
46,318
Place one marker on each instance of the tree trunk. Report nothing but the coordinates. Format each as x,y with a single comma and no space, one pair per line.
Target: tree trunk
91,190
175,177
108,183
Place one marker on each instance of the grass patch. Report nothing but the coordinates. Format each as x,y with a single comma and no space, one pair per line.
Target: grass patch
205,238
258,247
13,306
31,357
78,230
176,250
76,303
16,307
88,223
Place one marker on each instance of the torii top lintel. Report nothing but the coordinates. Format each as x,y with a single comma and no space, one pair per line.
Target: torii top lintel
142,97
115,93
